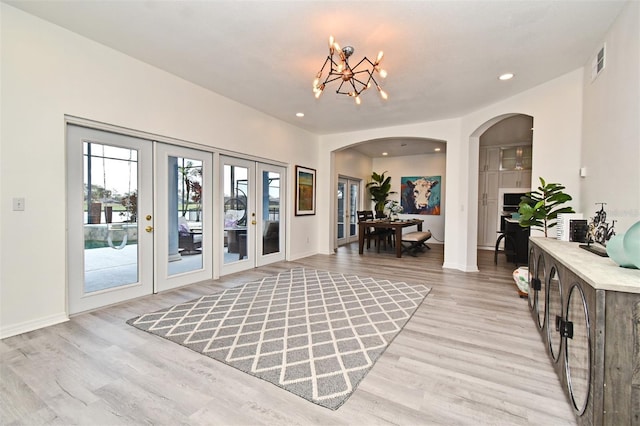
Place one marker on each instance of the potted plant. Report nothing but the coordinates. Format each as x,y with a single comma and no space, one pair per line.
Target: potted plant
379,189
541,207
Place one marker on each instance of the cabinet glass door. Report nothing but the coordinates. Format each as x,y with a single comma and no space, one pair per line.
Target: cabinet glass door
540,295
532,276
554,312
578,351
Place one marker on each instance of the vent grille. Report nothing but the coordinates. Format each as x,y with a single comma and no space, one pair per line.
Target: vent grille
598,63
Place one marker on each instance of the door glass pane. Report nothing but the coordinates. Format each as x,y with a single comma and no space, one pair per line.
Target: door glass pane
185,215
270,212
235,212
341,190
554,309
540,295
353,208
110,216
578,352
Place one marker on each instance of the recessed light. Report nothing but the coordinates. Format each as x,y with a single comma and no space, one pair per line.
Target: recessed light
299,114
385,153
437,150
506,76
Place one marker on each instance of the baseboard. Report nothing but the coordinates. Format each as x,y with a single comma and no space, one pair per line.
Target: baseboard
460,267
301,255
27,326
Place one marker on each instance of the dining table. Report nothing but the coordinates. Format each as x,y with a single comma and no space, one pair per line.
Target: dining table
396,225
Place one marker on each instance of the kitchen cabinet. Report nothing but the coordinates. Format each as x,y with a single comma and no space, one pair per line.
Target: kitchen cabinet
516,157
515,179
488,216
489,159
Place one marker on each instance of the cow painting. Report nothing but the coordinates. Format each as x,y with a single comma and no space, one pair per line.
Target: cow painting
421,195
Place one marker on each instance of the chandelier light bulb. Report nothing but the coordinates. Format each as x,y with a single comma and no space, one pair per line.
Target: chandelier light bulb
380,55
383,94
358,101
383,73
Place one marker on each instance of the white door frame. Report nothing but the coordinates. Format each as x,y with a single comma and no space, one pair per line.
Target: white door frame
265,259
348,213
164,280
79,299
254,211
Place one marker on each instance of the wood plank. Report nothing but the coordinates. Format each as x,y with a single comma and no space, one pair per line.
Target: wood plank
469,355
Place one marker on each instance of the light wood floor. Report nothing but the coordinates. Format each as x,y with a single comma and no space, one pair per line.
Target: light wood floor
470,355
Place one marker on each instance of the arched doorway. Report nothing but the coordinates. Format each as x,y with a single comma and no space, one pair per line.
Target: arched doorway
500,162
400,158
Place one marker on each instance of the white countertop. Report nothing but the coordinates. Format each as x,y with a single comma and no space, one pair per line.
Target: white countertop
601,273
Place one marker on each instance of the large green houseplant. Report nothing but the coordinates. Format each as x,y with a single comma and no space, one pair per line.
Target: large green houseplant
379,189
541,207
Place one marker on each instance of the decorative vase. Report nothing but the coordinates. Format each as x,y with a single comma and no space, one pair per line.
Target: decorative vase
616,251
631,243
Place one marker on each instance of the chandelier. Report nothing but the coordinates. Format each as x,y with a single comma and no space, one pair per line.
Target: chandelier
353,81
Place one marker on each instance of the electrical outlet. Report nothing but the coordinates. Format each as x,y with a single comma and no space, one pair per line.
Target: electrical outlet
18,204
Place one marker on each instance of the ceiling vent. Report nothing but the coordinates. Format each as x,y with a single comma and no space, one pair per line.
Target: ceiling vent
598,63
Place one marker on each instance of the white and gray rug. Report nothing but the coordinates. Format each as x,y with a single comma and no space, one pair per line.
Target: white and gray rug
313,333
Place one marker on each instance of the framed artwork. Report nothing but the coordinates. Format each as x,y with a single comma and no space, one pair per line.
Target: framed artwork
305,191
421,194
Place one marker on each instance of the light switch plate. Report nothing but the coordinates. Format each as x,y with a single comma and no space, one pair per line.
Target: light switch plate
18,204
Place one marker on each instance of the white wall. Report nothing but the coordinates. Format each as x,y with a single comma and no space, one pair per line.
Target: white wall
48,72
556,107
445,130
611,125
418,165
353,164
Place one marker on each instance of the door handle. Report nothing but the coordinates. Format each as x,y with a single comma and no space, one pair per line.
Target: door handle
149,228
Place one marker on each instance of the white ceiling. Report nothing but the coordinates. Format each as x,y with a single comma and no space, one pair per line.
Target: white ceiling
443,57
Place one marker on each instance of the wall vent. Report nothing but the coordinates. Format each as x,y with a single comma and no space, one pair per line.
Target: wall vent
598,63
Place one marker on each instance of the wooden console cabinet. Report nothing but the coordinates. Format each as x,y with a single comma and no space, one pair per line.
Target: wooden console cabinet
587,309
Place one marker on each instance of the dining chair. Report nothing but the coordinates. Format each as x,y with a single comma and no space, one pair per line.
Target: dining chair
379,235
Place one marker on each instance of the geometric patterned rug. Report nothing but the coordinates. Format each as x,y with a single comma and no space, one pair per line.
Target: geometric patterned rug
314,333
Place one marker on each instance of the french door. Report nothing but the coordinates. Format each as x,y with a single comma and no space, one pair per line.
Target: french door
252,203
184,214
348,196
137,222
109,218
